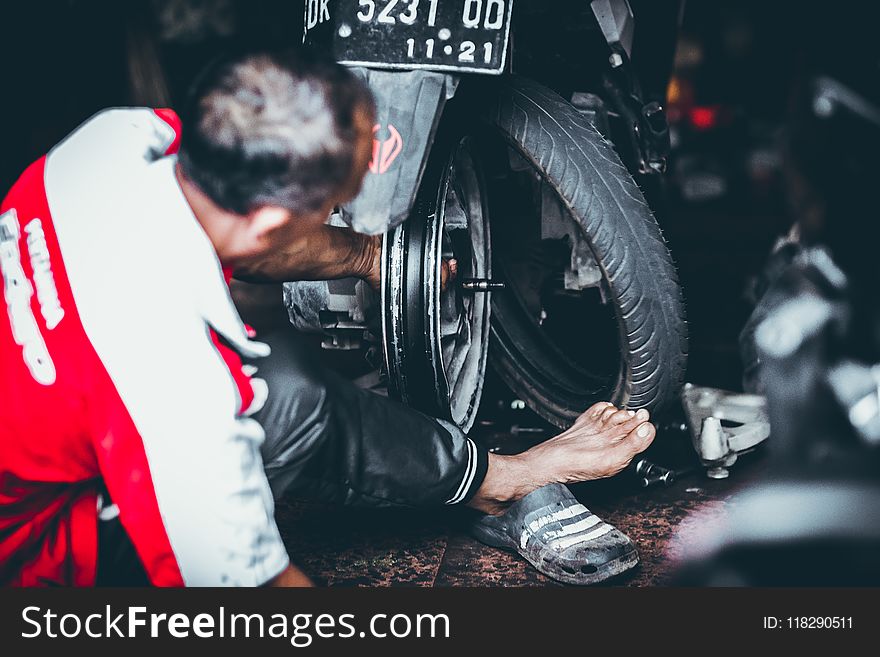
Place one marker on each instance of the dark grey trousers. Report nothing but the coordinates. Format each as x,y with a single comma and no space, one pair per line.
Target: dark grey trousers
329,440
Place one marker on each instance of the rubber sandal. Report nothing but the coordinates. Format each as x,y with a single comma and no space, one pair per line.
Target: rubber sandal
560,537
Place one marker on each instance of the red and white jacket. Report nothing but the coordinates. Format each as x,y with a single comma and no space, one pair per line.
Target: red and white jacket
119,367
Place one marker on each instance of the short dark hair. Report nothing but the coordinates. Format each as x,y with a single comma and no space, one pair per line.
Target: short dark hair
273,129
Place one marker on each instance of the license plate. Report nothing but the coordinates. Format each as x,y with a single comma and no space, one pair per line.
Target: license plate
460,35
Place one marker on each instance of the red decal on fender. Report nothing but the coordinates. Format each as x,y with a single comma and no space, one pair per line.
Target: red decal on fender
385,152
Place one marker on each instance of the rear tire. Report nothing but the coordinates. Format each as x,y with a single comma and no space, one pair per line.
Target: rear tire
640,280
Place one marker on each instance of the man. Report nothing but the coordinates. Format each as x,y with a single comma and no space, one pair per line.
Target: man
127,417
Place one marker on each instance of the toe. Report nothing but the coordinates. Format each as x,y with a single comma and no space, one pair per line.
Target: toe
620,417
619,431
635,442
607,414
641,436
592,414
596,410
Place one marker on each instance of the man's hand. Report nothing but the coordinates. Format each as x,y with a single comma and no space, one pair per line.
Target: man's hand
448,272
601,443
370,268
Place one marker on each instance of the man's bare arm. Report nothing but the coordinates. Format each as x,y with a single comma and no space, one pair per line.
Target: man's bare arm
325,253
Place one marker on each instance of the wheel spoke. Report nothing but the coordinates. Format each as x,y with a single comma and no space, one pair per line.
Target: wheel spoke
455,216
460,354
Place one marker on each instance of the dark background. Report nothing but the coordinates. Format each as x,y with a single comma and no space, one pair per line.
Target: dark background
737,70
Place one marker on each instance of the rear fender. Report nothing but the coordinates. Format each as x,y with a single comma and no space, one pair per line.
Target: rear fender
409,105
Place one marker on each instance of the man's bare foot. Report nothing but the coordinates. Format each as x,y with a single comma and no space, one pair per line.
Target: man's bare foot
601,443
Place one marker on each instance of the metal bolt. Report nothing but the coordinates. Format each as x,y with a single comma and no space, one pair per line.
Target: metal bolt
345,30
481,285
615,60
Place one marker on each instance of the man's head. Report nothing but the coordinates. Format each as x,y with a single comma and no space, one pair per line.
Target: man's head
275,140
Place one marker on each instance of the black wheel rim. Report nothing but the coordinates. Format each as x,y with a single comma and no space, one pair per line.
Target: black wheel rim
436,340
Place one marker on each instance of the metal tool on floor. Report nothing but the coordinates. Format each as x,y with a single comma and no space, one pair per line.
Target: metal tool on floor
723,425
651,474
